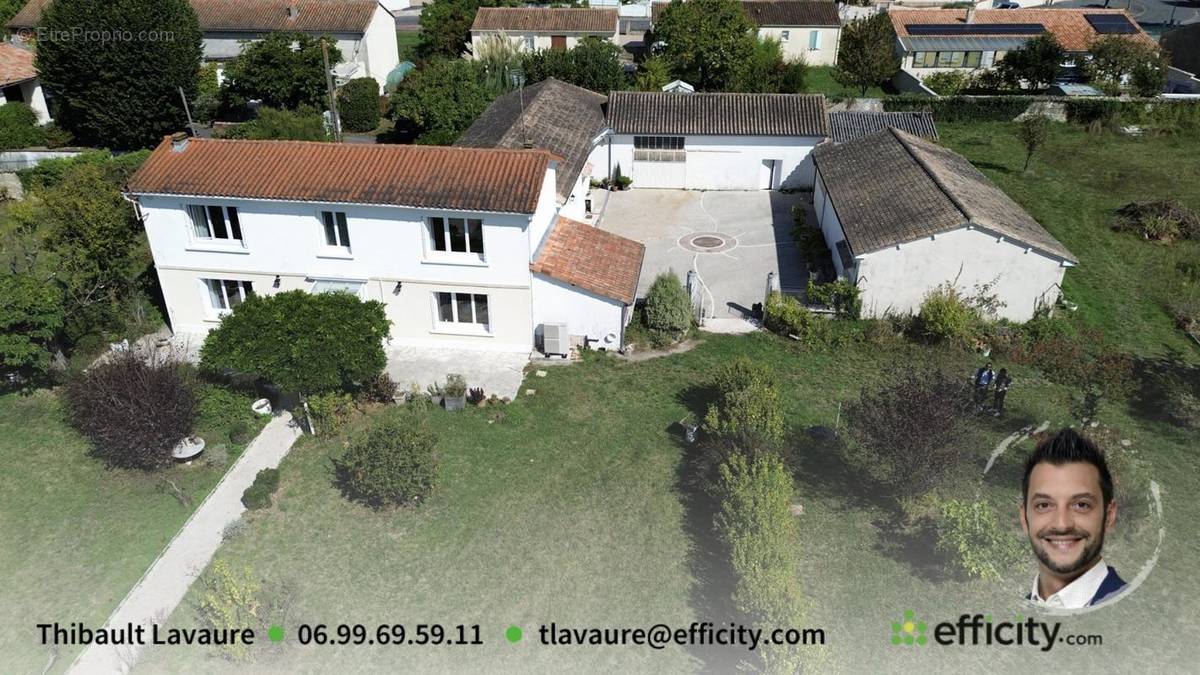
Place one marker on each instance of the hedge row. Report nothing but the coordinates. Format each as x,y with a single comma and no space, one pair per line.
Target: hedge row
961,108
1157,113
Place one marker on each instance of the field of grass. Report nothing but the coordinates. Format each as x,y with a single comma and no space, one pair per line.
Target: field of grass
406,41
820,81
1072,188
77,536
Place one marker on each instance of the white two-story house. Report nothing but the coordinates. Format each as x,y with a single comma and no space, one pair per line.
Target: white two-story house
533,29
447,238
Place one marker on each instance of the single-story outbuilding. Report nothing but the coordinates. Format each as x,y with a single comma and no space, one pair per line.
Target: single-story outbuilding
715,141
904,215
537,28
19,80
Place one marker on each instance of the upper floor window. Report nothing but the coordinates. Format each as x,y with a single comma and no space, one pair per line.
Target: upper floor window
225,294
456,235
215,222
337,233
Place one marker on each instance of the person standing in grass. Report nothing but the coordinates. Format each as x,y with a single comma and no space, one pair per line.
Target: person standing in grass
983,381
1003,382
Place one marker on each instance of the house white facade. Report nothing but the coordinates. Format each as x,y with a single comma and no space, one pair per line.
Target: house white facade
454,275
815,45
948,226
541,28
19,81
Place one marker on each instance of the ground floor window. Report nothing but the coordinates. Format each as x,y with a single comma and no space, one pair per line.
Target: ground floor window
659,149
946,59
225,294
462,308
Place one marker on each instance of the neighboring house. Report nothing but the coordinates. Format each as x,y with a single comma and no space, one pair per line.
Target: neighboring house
444,237
19,80
535,29
847,126
933,40
1183,45
555,116
712,141
806,29
365,32
904,215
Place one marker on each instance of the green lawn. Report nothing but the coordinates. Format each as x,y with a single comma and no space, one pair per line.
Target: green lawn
406,41
76,536
820,81
1072,188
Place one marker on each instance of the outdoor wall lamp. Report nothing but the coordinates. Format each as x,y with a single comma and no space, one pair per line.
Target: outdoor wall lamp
396,290
275,284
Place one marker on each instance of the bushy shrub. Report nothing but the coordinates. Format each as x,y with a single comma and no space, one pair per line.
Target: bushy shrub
219,406
393,463
230,601
258,495
358,104
763,537
19,127
910,429
133,410
810,241
978,544
239,432
748,404
844,297
946,316
1163,220
330,411
378,389
785,315
668,308
302,124
947,82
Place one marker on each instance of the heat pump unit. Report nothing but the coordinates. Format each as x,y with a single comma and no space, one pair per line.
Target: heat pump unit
555,340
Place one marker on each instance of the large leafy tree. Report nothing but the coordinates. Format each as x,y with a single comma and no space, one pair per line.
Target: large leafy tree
284,70
709,43
446,26
437,102
1116,59
302,342
867,55
31,314
768,72
592,64
1036,64
121,92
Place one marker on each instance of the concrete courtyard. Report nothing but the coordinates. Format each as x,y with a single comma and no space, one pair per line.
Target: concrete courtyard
749,234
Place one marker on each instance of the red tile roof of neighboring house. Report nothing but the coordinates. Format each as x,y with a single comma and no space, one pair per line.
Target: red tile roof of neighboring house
1069,25
545,19
468,179
16,64
592,259
312,16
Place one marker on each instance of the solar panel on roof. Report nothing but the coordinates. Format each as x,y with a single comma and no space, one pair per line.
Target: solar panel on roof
1110,24
975,28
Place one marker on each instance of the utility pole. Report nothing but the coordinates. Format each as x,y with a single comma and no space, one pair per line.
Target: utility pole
187,111
333,111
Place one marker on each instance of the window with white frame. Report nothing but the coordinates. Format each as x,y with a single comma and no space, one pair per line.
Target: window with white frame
337,286
215,223
462,308
456,235
225,294
784,35
659,149
337,232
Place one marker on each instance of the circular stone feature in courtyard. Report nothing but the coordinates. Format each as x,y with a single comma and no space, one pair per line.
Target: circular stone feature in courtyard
707,242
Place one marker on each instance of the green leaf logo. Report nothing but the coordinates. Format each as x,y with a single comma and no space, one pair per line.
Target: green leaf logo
909,631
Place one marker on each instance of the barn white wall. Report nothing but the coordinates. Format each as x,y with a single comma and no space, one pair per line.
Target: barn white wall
725,162
585,313
380,53
541,41
827,219
897,279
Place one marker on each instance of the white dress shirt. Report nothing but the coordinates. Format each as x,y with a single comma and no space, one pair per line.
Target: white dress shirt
1078,593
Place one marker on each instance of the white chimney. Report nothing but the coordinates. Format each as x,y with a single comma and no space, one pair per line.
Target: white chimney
971,14
179,141
292,11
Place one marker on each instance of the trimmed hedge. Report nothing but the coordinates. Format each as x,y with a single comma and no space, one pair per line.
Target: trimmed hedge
258,495
962,108
1143,112
358,104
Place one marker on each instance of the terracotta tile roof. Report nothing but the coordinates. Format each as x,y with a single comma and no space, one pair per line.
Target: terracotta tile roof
16,64
714,114
507,181
847,126
313,16
592,259
1069,25
792,13
559,117
568,20
891,187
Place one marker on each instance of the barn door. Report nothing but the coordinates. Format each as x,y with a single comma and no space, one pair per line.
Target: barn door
558,43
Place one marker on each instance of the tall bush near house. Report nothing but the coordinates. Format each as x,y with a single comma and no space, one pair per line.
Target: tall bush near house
394,462
842,295
946,316
709,43
446,26
302,124
436,103
748,406
763,537
785,315
302,342
947,82
19,127
120,95
31,315
1036,64
653,74
866,54
271,71
132,409
978,544
358,104
909,429
668,308
593,64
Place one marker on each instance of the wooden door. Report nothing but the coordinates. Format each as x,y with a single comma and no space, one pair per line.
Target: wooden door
558,43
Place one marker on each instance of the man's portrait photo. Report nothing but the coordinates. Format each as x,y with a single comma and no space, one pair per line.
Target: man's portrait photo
1067,508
